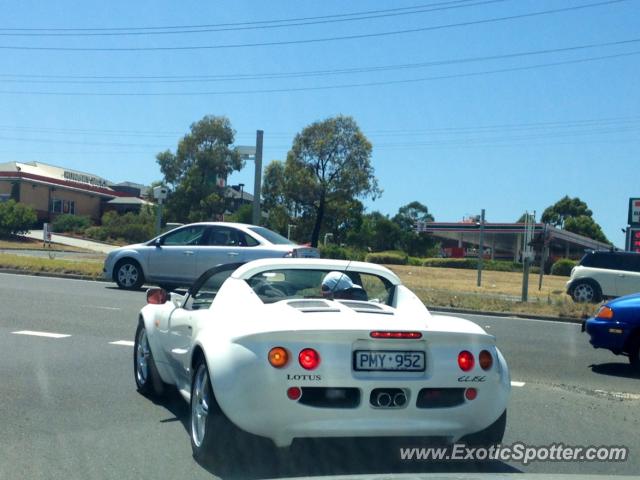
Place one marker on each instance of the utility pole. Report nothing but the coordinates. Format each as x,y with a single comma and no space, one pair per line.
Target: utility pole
257,186
481,249
543,255
526,253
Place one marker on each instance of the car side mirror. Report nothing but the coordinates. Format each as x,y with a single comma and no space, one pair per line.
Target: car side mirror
158,242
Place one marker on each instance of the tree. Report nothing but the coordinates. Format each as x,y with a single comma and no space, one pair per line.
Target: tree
564,208
573,215
329,164
407,218
203,157
584,225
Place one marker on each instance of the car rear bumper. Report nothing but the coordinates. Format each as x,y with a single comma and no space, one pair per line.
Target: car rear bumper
269,412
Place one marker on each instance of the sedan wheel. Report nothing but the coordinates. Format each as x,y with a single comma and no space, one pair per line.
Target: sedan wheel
200,401
148,380
129,275
216,442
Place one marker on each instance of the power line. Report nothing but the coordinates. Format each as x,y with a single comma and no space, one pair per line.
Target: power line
214,25
151,31
313,40
115,80
325,87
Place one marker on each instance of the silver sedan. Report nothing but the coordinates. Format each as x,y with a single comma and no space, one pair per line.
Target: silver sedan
178,257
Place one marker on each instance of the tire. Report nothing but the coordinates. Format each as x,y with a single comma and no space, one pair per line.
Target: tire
145,372
128,274
491,435
634,353
586,291
216,442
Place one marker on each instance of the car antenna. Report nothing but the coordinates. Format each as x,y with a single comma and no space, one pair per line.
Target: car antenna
331,293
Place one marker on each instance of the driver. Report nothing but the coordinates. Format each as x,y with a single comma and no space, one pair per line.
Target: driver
339,285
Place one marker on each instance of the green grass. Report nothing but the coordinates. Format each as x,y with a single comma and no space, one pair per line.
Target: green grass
35,264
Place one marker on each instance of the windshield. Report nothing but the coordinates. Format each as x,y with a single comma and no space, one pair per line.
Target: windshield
271,236
285,284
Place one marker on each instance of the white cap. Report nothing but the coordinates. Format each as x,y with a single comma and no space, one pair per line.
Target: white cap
337,282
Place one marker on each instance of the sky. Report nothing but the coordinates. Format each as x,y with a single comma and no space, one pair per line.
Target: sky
506,105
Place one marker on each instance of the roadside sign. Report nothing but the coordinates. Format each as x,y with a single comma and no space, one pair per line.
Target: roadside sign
634,240
46,232
634,211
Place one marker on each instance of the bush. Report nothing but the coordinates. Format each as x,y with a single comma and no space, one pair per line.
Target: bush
341,253
16,218
70,223
391,257
130,227
96,233
563,267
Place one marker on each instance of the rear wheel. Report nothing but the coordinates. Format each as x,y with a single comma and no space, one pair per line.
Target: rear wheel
586,291
145,372
128,274
215,441
491,435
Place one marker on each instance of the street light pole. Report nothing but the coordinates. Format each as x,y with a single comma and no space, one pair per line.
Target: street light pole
257,186
481,249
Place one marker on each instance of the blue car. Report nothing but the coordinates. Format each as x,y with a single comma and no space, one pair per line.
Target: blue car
616,327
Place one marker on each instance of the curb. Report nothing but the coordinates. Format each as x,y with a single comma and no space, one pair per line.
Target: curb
577,321
17,271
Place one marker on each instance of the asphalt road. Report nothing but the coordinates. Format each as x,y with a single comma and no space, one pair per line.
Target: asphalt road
69,409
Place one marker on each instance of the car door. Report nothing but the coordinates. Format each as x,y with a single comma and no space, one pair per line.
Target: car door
221,245
173,259
628,275
186,320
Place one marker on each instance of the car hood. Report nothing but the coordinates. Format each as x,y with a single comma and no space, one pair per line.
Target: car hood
628,301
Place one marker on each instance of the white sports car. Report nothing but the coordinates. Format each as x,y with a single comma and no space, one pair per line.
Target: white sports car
279,349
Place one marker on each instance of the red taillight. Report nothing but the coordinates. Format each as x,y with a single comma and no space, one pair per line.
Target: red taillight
485,359
156,296
410,335
470,393
294,393
309,358
465,361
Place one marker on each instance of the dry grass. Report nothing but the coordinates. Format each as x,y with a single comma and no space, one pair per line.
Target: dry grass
35,264
23,243
500,291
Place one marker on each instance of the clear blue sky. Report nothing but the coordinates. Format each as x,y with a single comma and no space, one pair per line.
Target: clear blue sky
506,141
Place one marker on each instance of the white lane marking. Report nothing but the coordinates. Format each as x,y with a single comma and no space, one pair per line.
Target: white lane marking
41,334
517,384
126,343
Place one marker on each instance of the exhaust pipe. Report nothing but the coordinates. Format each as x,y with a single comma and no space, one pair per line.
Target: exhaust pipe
383,399
399,399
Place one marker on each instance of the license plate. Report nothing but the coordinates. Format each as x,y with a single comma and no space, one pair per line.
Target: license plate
388,361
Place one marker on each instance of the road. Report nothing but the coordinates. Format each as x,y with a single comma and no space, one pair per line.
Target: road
70,409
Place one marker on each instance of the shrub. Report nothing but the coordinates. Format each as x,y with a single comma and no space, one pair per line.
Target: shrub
70,223
96,233
341,253
472,264
563,267
391,257
16,218
130,227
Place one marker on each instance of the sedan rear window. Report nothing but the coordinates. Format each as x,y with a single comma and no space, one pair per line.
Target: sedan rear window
270,236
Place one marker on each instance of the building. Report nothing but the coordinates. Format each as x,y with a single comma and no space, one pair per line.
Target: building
505,240
52,191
